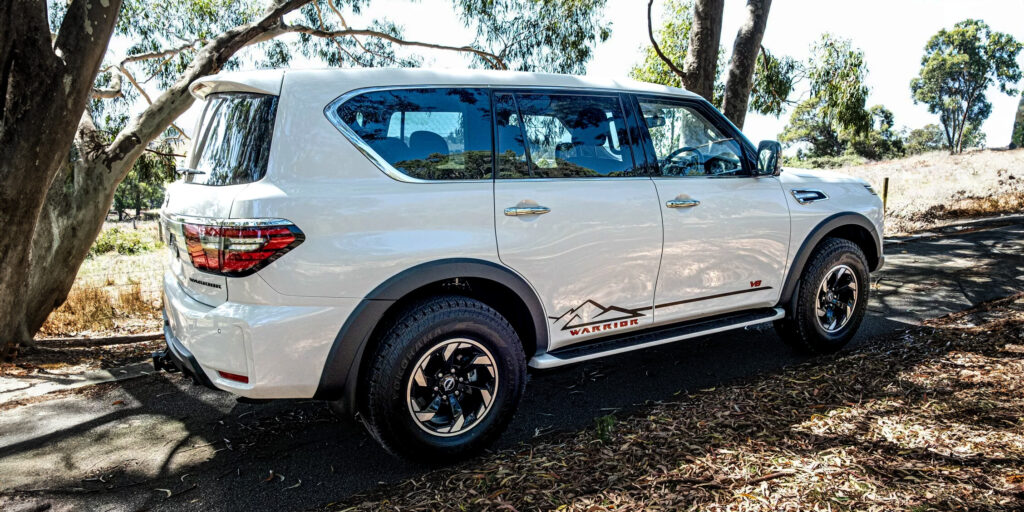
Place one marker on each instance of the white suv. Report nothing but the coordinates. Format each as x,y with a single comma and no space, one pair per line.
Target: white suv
405,243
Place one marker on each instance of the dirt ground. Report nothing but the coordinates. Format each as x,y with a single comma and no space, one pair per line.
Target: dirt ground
932,419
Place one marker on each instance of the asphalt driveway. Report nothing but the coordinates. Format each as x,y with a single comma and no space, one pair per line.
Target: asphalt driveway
158,442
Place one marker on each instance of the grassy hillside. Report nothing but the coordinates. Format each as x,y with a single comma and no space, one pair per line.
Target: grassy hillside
937,188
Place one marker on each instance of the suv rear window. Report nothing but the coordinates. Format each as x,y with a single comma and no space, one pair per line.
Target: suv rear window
235,139
429,134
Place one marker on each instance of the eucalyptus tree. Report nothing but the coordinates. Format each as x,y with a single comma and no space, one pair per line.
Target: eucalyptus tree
958,67
835,111
755,80
62,155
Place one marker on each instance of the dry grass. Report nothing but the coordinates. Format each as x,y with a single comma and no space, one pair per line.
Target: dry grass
929,419
113,293
935,188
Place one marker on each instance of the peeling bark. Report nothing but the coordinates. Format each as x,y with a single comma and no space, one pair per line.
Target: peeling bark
744,58
41,80
700,67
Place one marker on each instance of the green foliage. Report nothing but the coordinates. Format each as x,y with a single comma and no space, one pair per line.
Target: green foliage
1017,137
604,425
880,142
537,35
774,78
808,127
927,138
143,187
823,162
122,241
958,66
837,72
834,120
674,39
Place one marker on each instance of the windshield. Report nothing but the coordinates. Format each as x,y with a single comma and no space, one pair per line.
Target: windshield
235,139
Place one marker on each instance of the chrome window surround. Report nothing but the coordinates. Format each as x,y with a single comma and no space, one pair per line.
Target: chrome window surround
331,112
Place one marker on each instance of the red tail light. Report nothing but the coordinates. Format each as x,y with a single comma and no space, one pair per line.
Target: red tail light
238,248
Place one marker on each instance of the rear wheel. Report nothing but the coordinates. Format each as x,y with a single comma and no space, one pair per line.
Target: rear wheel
830,300
446,380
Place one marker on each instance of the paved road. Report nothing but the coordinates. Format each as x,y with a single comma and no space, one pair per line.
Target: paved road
127,446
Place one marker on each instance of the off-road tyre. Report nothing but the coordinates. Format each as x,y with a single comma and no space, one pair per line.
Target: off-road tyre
801,328
387,410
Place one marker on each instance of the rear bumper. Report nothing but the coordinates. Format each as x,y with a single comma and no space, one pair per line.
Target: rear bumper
281,349
177,358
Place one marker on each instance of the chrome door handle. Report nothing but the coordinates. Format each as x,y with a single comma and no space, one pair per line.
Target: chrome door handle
515,211
682,203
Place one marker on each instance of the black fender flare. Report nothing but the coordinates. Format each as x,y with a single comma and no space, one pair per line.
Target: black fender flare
341,372
815,237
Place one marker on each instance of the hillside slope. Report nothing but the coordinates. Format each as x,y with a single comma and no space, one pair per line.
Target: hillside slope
937,188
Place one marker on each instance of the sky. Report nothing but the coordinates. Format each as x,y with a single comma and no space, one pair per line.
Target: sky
892,34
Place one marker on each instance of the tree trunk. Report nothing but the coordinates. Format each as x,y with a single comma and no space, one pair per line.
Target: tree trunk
41,78
744,58
700,67
1017,136
53,209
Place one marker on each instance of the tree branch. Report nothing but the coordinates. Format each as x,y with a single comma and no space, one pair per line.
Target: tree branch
657,49
161,153
111,91
131,141
124,71
302,29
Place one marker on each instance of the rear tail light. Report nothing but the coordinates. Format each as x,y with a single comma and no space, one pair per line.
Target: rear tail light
238,248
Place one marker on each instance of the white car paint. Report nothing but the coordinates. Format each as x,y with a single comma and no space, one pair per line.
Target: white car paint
609,242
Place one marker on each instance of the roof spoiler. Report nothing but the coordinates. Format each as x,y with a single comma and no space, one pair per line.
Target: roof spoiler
255,82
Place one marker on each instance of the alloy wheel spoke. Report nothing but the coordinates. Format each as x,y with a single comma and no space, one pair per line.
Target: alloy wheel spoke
463,377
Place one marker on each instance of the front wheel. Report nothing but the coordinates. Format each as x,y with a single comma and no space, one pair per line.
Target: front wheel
447,379
831,299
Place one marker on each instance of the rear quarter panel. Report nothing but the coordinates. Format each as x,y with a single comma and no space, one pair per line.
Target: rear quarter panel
361,226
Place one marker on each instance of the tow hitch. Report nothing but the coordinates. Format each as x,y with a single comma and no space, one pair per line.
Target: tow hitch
161,361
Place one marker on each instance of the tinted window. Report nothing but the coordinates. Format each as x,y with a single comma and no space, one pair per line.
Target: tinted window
687,144
566,136
235,144
431,134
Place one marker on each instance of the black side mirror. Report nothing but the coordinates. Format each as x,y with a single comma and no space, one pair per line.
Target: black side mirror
768,152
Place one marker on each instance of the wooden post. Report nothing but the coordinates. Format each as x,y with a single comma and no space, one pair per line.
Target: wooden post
885,193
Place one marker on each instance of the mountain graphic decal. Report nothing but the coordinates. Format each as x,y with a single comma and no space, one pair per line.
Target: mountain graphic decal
591,313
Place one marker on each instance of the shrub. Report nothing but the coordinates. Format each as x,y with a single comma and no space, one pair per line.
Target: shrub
122,241
824,162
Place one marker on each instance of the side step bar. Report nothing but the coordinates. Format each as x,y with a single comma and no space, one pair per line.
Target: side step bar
653,337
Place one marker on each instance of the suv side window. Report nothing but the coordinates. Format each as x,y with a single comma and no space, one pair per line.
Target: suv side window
687,144
565,135
429,134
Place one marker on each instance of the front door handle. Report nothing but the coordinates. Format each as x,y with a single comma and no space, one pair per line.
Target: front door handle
515,211
682,203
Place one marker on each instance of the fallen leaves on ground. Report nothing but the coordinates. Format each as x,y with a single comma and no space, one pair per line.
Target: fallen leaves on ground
931,418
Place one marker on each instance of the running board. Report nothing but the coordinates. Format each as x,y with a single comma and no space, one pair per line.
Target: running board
654,337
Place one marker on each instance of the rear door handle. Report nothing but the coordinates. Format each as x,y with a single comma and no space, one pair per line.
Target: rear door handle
515,211
682,203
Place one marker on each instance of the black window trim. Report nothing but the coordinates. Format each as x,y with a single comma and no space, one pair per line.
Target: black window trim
710,114
628,97
565,91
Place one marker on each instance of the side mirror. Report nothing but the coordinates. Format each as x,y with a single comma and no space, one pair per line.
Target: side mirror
768,152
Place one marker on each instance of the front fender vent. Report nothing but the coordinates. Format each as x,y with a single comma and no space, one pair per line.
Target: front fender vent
805,196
